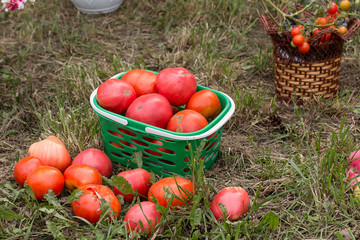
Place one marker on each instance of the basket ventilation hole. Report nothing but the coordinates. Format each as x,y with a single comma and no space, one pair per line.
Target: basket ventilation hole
130,145
186,160
116,145
186,170
117,154
186,148
210,146
140,143
167,162
127,132
165,150
127,154
154,163
209,137
115,134
153,153
147,139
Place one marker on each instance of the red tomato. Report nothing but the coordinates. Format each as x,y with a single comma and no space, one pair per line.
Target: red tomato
138,218
316,31
355,155
298,40
353,171
331,17
44,178
179,186
342,30
325,38
88,206
153,109
79,175
187,121
206,103
176,84
296,30
333,8
95,158
304,48
235,199
142,81
24,167
322,21
115,95
139,180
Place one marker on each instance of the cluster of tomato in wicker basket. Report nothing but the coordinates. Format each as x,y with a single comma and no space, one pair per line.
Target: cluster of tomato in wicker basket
332,20
166,100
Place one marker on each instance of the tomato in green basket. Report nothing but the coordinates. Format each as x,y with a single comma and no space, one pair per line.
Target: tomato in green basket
143,81
205,102
179,187
115,95
153,109
187,121
176,84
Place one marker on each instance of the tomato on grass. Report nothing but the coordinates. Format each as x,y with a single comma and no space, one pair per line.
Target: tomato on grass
179,187
139,180
24,167
95,158
236,201
88,206
44,178
142,217
79,175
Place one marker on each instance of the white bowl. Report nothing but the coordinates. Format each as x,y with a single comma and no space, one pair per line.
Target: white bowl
97,6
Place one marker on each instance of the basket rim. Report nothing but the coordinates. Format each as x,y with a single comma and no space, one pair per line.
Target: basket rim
215,125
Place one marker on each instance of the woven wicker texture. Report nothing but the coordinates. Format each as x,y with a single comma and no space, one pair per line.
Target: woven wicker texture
315,73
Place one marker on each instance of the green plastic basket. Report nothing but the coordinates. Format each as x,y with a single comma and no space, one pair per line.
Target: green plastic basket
170,154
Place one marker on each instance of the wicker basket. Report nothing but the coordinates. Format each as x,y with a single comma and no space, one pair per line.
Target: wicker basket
315,73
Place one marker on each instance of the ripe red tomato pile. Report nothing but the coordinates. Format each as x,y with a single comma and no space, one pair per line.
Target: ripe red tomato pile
85,173
332,20
168,100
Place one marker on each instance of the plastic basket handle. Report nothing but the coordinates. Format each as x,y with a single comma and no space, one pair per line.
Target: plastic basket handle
165,134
